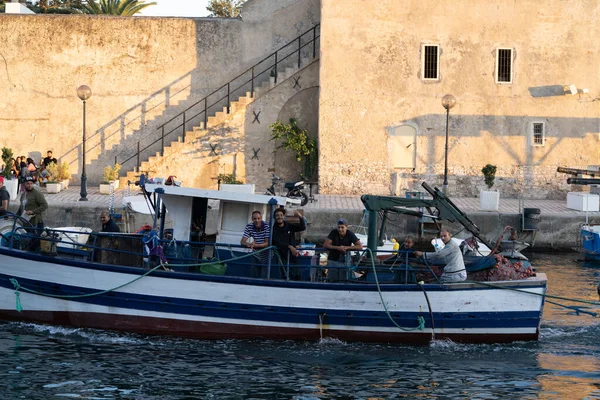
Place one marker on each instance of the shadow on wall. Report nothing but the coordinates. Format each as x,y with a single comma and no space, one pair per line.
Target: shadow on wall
499,129
187,102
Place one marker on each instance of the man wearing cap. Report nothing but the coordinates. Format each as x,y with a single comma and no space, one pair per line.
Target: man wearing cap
33,203
338,242
4,197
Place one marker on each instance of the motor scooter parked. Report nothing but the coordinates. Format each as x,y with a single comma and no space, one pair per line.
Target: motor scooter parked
294,190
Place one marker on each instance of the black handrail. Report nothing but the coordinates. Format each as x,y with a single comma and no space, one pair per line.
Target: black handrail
207,106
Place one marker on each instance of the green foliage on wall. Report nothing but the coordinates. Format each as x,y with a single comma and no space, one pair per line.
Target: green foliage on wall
298,141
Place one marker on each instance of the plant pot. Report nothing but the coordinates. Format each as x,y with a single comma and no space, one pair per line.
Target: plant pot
53,187
105,188
65,184
489,200
11,186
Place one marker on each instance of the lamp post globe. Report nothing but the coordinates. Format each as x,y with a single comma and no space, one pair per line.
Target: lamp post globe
448,101
83,92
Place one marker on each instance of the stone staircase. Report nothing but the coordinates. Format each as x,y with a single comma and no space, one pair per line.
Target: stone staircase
192,154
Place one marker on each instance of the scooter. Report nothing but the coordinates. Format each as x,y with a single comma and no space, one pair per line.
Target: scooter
294,193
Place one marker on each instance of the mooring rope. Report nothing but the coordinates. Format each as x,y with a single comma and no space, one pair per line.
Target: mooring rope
420,319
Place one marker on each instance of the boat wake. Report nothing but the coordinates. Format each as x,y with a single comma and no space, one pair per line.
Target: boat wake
549,333
95,336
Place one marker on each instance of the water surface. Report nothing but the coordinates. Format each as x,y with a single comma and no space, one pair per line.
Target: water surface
42,362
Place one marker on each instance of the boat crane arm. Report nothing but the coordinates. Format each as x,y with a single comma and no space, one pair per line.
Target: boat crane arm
447,210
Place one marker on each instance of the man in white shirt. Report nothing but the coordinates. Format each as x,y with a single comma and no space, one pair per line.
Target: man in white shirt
454,271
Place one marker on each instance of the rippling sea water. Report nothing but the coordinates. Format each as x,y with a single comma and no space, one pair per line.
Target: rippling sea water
41,362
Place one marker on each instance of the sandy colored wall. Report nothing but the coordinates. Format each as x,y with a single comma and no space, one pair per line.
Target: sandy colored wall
371,83
142,71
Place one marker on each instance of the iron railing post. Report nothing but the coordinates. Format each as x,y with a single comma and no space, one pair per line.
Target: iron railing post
228,97
205,114
162,141
299,49
138,157
115,160
252,84
315,41
184,126
275,67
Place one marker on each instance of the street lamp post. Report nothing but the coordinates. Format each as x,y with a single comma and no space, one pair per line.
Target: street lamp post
83,92
448,101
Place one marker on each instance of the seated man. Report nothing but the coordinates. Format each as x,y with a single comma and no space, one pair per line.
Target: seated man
451,256
408,246
339,242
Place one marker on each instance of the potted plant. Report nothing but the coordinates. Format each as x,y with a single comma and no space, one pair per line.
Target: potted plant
110,178
52,184
9,183
489,199
64,174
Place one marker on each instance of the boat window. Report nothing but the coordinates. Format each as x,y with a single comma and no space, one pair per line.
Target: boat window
235,216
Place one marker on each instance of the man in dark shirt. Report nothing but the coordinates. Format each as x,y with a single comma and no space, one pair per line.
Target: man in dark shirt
339,242
108,225
285,240
49,159
4,197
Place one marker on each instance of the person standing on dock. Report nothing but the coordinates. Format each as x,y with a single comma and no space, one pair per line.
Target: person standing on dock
4,197
451,256
256,237
33,204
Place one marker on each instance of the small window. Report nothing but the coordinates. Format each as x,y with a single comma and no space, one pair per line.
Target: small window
538,133
504,61
431,62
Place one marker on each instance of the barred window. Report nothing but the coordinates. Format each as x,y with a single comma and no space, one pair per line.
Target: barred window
538,134
430,54
504,61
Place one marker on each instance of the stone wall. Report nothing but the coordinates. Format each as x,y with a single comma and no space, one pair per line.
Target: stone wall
142,71
371,85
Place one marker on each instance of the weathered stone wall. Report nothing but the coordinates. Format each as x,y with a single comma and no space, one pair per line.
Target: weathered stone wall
371,84
142,71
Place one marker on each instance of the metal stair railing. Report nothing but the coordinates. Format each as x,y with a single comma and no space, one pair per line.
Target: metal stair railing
207,103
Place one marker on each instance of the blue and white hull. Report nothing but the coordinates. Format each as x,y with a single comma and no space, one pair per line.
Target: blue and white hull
83,294
590,242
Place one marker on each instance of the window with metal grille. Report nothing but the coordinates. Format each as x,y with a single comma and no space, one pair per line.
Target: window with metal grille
538,133
504,65
431,61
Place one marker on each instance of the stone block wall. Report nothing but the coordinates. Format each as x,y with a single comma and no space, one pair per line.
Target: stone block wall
372,83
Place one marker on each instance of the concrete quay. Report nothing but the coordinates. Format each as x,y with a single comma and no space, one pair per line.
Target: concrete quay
558,227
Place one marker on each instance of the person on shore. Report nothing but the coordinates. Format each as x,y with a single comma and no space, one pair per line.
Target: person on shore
284,238
33,204
49,159
108,224
4,198
340,242
256,237
451,256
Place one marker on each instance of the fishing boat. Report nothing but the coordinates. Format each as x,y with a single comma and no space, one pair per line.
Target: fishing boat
162,282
